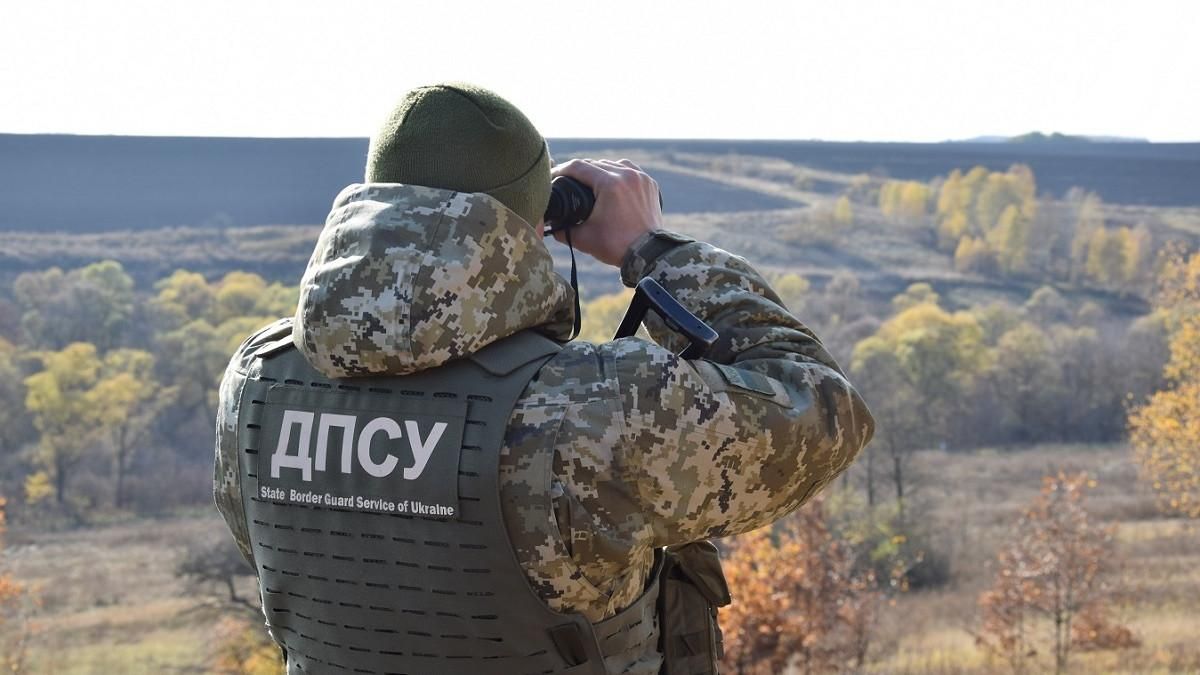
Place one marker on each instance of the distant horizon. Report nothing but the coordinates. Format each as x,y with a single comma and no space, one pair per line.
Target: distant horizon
247,180
979,138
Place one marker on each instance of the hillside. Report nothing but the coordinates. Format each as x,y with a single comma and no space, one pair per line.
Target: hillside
769,208
99,183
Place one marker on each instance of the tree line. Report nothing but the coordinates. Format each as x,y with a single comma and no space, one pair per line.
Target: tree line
1050,369
994,223
108,392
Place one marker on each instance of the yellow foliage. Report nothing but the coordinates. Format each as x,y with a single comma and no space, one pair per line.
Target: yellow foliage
919,293
990,216
843,211
797,597
63,412
1010,240
182,297
925,357
974,255
37,487
926,332
602,316
1166,431
906,200
79,398
952,229
242,294
1089,218
792,289
243,649
1108,255
950,195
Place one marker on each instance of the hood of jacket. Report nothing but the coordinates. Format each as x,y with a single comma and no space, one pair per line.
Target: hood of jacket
406,278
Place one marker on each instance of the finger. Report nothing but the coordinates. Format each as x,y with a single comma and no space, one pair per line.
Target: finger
618,166
625,166
588,172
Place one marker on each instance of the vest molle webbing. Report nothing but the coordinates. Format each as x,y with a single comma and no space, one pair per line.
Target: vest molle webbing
374,507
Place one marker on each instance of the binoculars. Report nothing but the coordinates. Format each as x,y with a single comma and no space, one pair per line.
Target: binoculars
571,203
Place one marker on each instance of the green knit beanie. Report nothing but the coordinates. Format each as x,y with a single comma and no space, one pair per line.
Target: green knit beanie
461,137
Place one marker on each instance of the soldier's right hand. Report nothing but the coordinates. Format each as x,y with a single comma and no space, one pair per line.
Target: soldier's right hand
627,206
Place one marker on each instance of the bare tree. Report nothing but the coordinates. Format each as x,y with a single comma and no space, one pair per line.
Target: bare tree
1054,568
216,563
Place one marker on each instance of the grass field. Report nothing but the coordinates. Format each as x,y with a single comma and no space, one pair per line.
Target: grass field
112,604
972,501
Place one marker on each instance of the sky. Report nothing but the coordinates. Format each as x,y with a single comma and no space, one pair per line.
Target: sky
911,70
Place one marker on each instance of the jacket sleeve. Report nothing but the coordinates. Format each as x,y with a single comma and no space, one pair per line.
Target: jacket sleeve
731,443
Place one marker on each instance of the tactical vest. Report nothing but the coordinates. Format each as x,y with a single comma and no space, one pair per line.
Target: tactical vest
374,509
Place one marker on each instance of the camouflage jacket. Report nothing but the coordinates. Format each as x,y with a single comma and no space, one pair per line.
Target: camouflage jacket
614,449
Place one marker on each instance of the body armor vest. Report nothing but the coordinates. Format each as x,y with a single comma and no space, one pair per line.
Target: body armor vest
374,509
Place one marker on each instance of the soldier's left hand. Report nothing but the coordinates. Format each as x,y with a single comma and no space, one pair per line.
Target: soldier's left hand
627,206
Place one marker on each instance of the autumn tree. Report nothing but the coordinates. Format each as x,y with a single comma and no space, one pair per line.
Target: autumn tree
14,626
1011,239
60,401
905,201
798,600
217,563
995,319
1054,568
1107,259
126,402
15,429
602,315
243,648
191,359
974,255
990,211
91,304
1146,348
181,298
1166,430
917,369
198,326
1026,383
843,212
1047,306
1088,218
793,290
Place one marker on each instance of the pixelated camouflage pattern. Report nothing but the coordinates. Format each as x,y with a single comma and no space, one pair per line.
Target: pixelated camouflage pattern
652,450
226,470
405,278
613,449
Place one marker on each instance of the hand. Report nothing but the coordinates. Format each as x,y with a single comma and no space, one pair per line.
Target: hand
627,207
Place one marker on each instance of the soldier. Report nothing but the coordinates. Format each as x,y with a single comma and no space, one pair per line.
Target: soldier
428,476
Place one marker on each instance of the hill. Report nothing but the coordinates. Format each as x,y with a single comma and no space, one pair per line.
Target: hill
101,183
770,208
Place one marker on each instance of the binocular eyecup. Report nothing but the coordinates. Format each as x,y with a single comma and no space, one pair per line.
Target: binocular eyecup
571,202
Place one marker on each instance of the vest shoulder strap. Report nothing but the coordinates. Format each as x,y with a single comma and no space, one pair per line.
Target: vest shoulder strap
504,356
